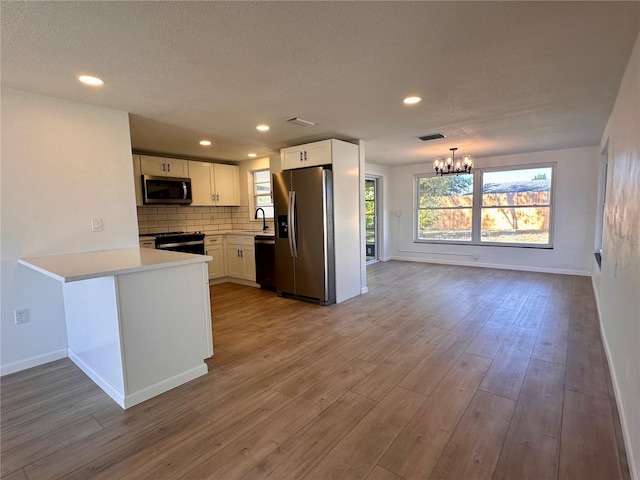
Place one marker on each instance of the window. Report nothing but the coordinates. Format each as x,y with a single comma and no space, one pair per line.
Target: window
262,192
516,206
445,208
510,207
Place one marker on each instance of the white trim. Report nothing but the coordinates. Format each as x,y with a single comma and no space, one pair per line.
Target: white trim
364,290
129,400
582,273
32,362
164,386
626,436
98,379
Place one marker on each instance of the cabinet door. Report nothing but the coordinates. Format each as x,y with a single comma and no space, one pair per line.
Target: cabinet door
226,184
318,153
137,179
249,263
235,263
153,166
177,168
215,266
201,183
291,158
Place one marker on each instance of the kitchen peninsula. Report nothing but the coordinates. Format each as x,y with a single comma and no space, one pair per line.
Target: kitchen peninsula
138,320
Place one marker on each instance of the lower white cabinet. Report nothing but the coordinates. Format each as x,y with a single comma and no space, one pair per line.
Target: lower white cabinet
213,247
241,257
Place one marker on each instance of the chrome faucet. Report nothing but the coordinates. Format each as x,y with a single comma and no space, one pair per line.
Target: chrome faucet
264,220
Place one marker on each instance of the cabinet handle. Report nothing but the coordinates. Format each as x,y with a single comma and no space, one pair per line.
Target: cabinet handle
168,167
300,156
163,167
305,155
241,254
218,197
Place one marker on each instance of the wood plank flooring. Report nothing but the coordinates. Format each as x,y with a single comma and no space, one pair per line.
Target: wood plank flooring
439,372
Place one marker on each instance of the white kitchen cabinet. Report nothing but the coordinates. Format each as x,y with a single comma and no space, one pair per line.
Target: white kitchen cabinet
164,167
241,257
214,184
137,179
213,246
148,243
308,155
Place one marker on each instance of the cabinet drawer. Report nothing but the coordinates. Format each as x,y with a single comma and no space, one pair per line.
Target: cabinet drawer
213,240
240,239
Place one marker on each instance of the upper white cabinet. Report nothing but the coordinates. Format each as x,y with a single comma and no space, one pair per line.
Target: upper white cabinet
308,155
137,179
214,184
164,167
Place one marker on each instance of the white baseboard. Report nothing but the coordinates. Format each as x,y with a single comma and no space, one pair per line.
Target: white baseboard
239,281
364,290
475,263
626,436
131,399
164,386
32,362
98,379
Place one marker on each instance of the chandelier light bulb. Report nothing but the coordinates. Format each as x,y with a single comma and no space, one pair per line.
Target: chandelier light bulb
453,165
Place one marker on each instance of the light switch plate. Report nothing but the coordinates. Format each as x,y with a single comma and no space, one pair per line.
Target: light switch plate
96,224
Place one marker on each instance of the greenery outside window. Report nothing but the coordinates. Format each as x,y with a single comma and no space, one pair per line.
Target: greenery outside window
445,208
262,192
508,207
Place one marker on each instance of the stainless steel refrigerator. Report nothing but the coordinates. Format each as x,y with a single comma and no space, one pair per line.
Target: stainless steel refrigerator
303,201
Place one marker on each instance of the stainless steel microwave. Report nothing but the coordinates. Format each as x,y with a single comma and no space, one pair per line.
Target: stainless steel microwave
169,190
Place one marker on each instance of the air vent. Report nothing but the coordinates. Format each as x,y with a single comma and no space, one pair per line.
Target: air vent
300,121
435,136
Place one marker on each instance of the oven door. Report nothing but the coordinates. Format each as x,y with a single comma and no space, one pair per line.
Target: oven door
166,190
195,246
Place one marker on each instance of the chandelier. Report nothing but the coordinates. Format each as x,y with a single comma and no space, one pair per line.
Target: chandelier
449,164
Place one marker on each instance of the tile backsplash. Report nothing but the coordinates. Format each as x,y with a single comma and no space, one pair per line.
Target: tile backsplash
161,219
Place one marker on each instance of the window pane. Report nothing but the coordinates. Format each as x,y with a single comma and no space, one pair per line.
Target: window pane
262,200
450,191
262,176
516,225
452,225
261,188
530,186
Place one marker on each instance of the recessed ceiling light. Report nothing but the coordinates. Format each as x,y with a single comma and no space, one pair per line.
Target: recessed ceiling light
205,143
412,100
89,80
252,155
263,128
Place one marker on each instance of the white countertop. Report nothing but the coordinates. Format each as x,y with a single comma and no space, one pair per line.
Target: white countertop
81,266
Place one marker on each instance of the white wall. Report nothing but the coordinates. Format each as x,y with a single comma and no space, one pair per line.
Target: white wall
383,175
618,283
63,163
576,185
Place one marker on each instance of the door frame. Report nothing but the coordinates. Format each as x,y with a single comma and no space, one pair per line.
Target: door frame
376,182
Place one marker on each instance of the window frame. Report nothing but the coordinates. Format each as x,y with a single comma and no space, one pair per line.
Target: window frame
253,195
416,209
477,208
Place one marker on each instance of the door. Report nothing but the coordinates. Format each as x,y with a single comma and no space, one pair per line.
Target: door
310,232
371,218
227,185
285,263
201,183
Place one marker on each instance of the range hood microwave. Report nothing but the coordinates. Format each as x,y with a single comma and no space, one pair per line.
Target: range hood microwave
166,190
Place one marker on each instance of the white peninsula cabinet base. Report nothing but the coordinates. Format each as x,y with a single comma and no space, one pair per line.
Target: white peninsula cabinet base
137,330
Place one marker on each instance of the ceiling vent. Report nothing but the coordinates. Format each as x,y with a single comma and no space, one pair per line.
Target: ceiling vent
435,136
301,122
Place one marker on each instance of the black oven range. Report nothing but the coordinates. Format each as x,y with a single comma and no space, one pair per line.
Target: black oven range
187,242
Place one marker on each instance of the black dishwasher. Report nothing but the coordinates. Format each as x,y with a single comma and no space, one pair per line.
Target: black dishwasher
266,261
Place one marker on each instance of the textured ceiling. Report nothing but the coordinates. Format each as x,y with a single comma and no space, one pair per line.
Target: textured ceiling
496,77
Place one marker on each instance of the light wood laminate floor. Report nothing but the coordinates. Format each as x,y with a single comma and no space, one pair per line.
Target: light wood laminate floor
438,372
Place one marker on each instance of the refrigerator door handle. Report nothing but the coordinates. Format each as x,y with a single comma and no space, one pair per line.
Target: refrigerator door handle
292,224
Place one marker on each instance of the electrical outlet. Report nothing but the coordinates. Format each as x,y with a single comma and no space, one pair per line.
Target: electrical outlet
21,316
